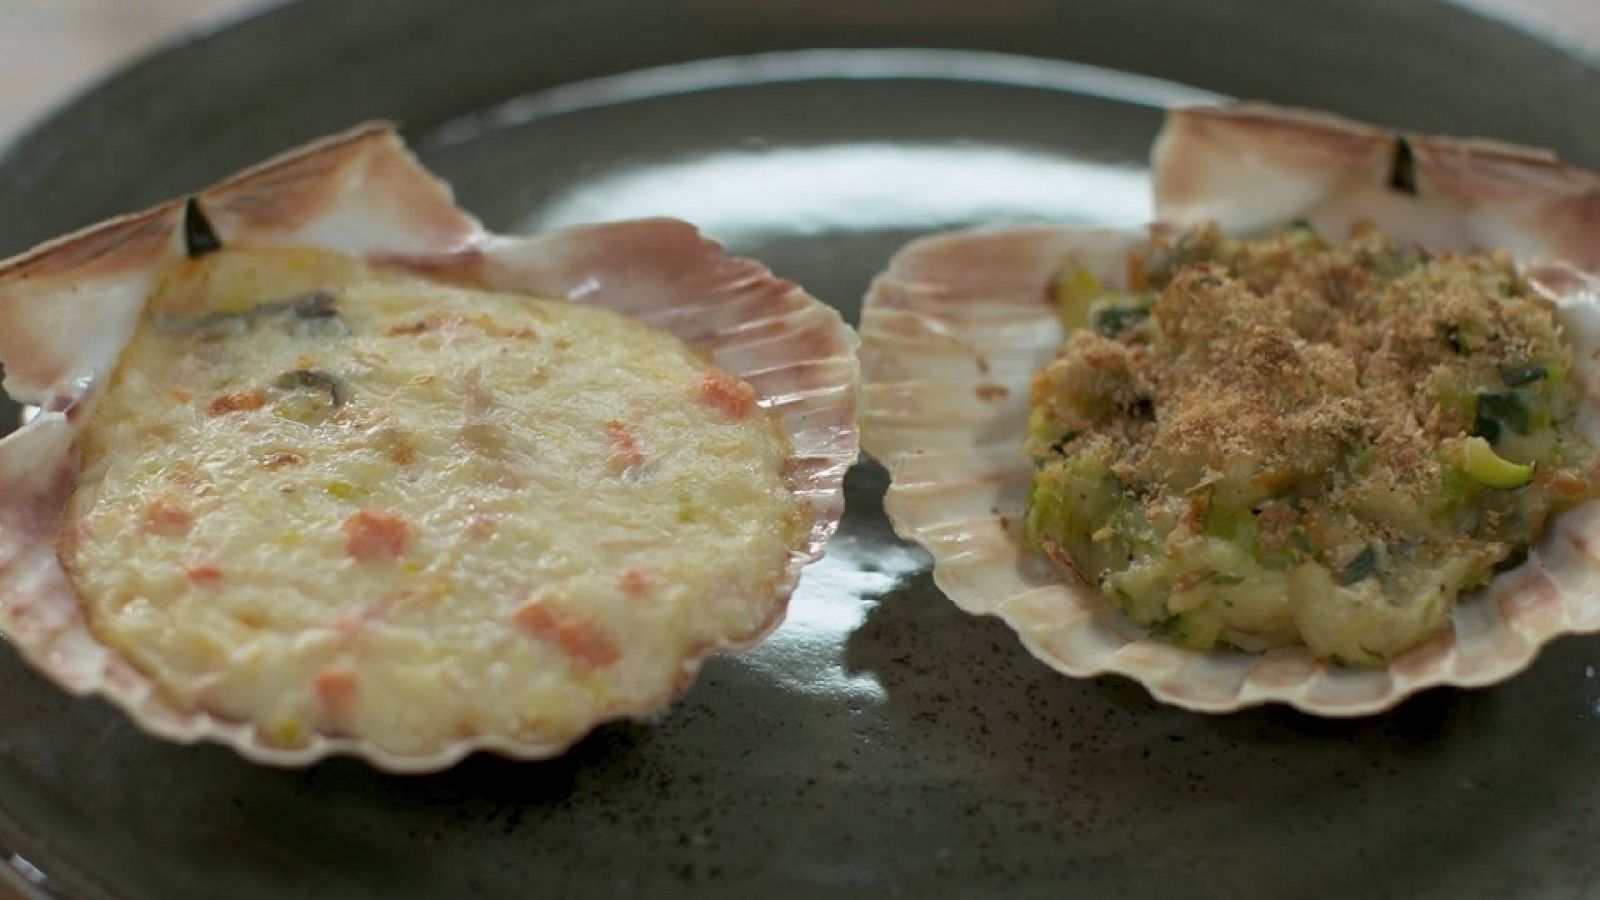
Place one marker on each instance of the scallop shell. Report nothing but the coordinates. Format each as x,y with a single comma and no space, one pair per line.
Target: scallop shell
68,308
955,327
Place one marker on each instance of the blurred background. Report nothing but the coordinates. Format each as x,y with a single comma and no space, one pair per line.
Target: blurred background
51,48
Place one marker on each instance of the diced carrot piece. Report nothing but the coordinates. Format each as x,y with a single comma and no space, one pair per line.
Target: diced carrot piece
182,395
582,641
636,582
1565,485
164,517
727,394
375,535
354,622
336,688
282,459
625,454
239,401
203,575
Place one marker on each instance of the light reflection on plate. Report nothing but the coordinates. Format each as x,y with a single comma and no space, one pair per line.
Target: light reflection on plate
835,595
856,187
790,66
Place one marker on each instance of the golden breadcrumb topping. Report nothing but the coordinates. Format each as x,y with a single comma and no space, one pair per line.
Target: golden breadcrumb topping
1368,409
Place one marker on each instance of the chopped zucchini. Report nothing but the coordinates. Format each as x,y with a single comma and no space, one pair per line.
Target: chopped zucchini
1483,465
1236,526
1076,289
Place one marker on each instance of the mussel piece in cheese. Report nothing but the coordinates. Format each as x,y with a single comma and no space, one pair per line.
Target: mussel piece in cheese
314,380
311,311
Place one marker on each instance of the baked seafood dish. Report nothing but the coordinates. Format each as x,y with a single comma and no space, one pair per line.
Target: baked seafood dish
321,466
1324,435
1282,441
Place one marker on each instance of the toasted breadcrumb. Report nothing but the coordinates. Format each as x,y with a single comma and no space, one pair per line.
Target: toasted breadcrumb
1309,403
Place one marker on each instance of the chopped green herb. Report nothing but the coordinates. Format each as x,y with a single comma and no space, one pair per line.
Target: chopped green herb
1168,628
1394,263
1499,410
1111,321
314,380
1526,373
1060,444
1360,566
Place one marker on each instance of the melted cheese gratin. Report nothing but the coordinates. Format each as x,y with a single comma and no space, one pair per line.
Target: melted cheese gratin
323,496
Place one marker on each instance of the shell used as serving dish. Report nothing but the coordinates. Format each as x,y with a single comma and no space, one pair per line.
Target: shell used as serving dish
69,309
954,329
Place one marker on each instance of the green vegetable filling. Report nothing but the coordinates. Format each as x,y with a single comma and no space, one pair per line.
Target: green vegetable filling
1273,445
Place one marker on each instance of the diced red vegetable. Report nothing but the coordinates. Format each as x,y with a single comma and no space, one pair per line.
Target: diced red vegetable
283,459
336,688
203,575
582,641
625,452
374,535
727,394
239,401
166,518
636,582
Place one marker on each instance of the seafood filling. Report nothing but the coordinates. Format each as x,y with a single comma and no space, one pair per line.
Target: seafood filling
1282,441
322,497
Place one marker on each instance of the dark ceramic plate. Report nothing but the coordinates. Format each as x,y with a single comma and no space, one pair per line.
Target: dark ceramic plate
881,743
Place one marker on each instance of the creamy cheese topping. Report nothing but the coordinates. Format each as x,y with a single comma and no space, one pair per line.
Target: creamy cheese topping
322,496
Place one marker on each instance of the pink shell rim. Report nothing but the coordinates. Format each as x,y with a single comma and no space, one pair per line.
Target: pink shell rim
456,241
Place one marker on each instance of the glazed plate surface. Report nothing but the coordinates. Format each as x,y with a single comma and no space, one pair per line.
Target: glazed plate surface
881,743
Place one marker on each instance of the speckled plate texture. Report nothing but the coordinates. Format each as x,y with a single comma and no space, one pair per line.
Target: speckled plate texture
881,743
